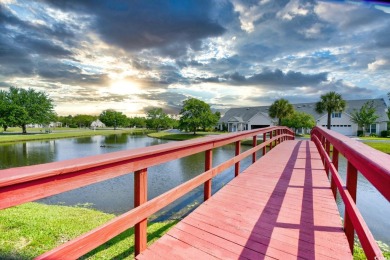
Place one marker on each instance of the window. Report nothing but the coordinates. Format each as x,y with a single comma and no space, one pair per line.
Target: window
371,129
336,115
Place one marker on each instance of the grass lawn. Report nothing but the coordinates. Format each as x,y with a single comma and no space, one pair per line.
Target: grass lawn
35,134
181,136
31,229
375,138
383,147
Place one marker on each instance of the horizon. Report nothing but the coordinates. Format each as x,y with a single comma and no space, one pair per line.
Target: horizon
131,57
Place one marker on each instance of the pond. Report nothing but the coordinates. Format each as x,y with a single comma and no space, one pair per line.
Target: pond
116,195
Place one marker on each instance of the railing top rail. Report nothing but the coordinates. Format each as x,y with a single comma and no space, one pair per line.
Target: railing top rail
373,164
29,173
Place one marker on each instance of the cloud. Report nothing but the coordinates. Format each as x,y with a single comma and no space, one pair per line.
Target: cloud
168,26
275,78
138,54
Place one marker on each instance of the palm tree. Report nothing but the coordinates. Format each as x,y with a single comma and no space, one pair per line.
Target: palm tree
330,102
280,109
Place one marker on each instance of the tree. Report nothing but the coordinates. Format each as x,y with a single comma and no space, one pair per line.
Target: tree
330,102
365,116
156,119
84,120
113,118
137,122
196,113
299,120
27,107
280,109
4,109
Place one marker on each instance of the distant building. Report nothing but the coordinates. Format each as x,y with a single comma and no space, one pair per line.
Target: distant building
97,123
247,118
51,124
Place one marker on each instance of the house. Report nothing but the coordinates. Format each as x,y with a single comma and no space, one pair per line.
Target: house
97,123
247,118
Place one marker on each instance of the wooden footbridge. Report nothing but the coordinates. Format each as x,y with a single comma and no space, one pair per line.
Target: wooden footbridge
281,207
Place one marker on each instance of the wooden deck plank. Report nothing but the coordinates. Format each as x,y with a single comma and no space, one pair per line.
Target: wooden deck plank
281,207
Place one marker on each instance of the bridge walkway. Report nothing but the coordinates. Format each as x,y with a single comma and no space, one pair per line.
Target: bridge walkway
281,207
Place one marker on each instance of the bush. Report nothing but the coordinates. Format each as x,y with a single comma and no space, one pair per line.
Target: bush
373,135
73,126
360,133
385,133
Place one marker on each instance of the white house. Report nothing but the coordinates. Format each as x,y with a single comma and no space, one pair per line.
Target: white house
97,123
247,118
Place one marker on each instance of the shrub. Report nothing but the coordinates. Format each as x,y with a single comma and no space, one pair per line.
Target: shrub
360,133
373,135
385,133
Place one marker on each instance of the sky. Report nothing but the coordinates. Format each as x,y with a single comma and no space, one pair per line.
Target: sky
131,56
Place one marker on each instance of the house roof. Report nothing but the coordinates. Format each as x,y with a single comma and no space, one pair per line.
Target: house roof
247,113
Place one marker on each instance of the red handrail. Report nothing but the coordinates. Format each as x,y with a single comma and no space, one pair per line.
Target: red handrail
24,184
372,164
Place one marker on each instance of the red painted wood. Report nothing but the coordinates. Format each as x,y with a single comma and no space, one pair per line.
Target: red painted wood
264,139
327,149
352,189
237,152
24,184
373,164
367,241
208,166
254,144
270,137
335,161
140,197
275,208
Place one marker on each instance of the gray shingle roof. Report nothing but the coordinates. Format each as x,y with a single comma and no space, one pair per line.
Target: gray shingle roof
247,113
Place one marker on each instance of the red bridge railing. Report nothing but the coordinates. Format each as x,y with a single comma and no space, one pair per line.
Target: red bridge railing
24,184
372,164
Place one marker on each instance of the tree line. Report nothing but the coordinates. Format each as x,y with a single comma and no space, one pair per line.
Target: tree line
21,107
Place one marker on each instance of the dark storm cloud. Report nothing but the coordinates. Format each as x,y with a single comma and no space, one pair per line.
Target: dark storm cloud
24,45
277,79
171,101
68,74
169,26
42,47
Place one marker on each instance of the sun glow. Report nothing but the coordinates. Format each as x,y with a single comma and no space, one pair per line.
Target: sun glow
125,87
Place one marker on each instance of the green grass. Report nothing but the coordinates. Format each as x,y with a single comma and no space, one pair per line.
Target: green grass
31,229
358,253
60,133
375,138
383,147
181,137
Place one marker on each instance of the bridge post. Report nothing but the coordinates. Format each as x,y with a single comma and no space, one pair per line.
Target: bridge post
207,166
140,197
264,148
327,149
254,143
335,161
237,164
351,187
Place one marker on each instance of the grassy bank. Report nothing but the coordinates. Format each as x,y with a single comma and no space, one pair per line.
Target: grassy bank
31,229
10,137
181,136
383,147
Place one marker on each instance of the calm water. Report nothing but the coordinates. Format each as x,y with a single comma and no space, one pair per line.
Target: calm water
116,195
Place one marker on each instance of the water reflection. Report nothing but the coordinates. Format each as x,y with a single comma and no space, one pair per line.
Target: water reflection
30,153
